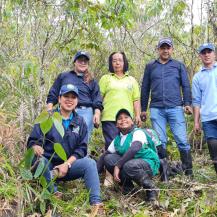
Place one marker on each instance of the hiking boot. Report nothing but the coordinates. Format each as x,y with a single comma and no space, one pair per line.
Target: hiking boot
97,210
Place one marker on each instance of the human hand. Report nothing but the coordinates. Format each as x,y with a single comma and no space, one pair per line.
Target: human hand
116,174
188,110
138,121
197,128
96,118
143,116
62,169
38,150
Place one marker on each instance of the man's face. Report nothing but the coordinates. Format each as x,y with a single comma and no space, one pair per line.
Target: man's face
124,122
165,51
207,56
68,102
81,64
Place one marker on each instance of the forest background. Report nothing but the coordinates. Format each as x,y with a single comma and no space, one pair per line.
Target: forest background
38,40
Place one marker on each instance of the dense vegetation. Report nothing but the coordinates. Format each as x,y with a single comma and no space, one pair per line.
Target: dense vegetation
38,40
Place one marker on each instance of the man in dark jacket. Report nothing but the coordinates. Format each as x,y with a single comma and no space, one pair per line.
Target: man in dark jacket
74,142
165,78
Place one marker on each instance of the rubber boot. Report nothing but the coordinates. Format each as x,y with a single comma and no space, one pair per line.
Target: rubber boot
151,192
212,146
186,159
164,167
164,170
162,152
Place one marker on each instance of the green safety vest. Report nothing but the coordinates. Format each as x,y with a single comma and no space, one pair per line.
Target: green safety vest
148,151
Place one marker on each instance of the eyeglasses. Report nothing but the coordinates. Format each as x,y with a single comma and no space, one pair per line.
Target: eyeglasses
206,51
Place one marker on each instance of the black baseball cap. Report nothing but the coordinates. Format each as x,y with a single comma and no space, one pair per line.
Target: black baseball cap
121,111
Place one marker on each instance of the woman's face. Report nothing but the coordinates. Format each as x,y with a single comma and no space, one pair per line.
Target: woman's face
81,64
118,62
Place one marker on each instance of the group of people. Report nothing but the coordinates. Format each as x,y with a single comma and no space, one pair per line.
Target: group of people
121,107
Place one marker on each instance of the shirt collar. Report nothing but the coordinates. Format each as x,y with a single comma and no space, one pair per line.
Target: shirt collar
70,118
205,69
125,74
158,60
130,130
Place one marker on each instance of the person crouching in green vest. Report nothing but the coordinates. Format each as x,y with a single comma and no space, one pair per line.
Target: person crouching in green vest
129,157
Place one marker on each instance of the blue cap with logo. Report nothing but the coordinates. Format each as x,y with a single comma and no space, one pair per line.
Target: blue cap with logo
67,88
204,46
167,41
81,53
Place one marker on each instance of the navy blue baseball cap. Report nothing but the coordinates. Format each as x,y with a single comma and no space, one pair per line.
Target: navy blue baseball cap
209,46
67,88
121,111
167,41
81,53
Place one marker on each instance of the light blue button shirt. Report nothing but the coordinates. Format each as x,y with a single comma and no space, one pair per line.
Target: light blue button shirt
204,92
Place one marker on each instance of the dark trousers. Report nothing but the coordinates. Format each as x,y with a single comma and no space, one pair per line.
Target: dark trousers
110,131
135,169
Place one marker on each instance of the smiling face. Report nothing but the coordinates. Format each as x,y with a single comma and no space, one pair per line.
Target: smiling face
118,62
124,122
68,102
81,64
208,57
165,51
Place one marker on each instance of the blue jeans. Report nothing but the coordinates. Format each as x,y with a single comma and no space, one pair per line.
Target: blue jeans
210,129
110,131
84,168
175,118
87,114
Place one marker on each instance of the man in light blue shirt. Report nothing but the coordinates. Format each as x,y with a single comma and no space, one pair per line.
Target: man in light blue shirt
204,91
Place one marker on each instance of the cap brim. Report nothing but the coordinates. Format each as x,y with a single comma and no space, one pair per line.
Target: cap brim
125,111
70,91
159,45
82,55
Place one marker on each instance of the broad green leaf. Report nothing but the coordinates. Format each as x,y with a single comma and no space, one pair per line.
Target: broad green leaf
60,151
43,181
40,168
28,158
46,126
45,194
58,124
57,116
26,174
42,117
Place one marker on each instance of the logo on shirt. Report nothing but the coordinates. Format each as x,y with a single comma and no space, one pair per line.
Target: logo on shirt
76,129
130,87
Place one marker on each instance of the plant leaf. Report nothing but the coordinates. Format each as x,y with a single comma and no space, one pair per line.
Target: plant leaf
40,168
42,117
28,158
43,181
43,207
46,125
60,151
57,120
26,174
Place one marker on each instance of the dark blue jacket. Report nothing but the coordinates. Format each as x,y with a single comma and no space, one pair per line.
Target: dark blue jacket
74,141
89,93
165,82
